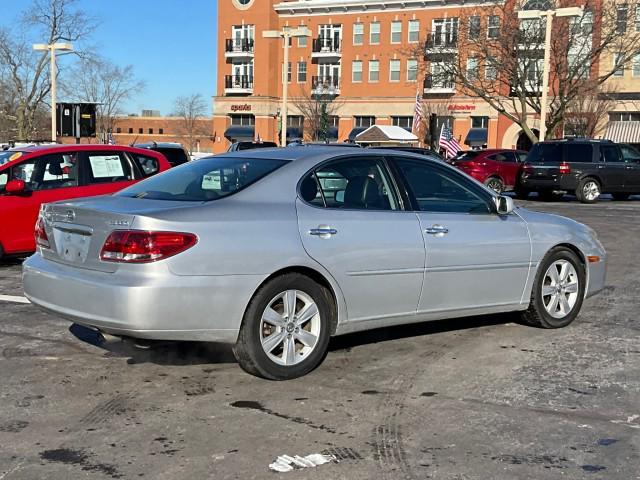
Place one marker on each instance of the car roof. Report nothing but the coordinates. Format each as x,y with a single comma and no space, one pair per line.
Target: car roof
158,144
70,146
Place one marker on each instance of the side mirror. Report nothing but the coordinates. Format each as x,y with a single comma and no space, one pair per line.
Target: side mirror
504,205
15,187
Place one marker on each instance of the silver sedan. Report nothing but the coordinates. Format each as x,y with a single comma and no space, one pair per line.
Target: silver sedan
277,250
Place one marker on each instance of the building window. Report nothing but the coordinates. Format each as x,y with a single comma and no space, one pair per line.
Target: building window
412,70
404,122
288,72
118,130
302,42
621,19
356,71
150,131
374,33
493,27
474,27
394,70
374,70
637,19
396,32
617,62
636,66
490,69
295,121
414,31
364,122
579,65
479,122
472,68
130,130
161,131
244,120
140,130
624,116
334,121
358,33
302,72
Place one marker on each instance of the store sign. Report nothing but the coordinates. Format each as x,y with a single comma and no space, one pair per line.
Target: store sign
241,108
461,107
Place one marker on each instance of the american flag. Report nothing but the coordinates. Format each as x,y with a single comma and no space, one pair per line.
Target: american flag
448,142
418,114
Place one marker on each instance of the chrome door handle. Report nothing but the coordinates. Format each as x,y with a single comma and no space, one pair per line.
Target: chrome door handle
601,166
437,230
323,231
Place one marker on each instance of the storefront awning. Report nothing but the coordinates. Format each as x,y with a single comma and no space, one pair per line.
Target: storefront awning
623,132
237,133
476,137
355,132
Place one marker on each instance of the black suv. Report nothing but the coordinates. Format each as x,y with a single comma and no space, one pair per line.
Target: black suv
237,146
586,167
175,153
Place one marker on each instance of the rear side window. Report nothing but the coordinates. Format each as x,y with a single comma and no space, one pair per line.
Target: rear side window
610,154
546,153
463,157
175,156
147,165
105,167
207,179
59,171
630,154
580,152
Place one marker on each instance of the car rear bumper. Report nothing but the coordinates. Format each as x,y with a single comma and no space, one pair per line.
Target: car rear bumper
172,307
559,182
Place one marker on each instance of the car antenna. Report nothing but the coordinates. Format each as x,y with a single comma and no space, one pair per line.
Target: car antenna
134,141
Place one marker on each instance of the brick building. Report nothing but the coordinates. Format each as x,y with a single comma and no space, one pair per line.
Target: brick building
356,49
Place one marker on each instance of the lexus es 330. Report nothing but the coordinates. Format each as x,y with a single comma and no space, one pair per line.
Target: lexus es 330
277,250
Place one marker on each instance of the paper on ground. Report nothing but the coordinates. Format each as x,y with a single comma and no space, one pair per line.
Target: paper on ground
285,463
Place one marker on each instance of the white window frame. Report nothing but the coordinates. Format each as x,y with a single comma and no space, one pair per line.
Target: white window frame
306,72
412,61
635,66
476,68
354,71
371,33
398,32
416,23
620,71
361,33
376,70
490,27
394,61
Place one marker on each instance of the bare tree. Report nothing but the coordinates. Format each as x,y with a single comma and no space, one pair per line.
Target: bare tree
99,81
317,111
587,115
27,72
191,109
491,54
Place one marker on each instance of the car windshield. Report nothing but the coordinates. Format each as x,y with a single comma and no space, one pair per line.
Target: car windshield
206,179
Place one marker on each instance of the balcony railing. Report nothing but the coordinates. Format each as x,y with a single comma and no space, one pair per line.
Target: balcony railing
238,82
242,45
328,84
440,83
326,45
437,41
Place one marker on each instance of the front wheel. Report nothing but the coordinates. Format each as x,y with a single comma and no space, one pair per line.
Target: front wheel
286,328
495,184
558,290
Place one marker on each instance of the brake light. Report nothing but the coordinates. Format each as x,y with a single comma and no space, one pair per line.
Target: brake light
41,235
565,168
528,168
139,246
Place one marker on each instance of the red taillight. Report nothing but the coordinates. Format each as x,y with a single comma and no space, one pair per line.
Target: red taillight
565,168
41,235
528,168
138,246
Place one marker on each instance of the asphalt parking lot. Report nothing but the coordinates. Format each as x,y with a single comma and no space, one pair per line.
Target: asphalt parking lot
479,398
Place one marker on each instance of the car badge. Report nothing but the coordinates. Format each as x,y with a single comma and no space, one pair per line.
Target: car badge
71,215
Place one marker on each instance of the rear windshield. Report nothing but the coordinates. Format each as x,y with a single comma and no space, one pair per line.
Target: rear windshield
546,153
249,146
206,179
175,156
470,155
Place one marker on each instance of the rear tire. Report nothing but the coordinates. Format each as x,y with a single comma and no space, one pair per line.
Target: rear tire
271,344
621,197
495,184
589,190
556,298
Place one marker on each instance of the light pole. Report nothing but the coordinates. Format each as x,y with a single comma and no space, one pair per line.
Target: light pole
63,47
549,14
286,34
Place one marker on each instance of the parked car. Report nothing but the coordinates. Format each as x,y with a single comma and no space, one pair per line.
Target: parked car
498,169
175,153
419,150
49,173
237,146
277,250
585,167
300,143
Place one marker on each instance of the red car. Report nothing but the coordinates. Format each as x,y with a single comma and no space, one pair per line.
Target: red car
35,175
498,169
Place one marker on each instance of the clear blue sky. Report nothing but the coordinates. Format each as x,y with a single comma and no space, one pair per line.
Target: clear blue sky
170,43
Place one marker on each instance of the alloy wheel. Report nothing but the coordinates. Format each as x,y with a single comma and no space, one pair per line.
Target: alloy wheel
290,327
560,288
591,190
495,185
